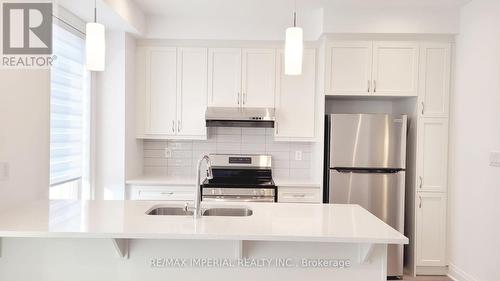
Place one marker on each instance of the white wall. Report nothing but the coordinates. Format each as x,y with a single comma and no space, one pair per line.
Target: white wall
133,146
474,231
110,121
253,22
384,19
24,134
118,152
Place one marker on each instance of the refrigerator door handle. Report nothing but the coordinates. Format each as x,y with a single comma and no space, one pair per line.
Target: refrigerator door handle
367,171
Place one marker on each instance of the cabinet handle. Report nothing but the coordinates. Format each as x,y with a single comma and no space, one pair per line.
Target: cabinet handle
420,202
238,98
421,181
369,86
179,126
166,193
374,86
244,98
299,195
173,126
423,108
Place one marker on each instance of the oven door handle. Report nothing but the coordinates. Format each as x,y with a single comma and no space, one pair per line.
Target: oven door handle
237,199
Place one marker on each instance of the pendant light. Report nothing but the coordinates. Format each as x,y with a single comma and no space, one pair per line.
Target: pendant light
95,44
294,47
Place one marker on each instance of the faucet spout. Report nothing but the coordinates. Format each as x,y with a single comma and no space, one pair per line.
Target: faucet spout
197,199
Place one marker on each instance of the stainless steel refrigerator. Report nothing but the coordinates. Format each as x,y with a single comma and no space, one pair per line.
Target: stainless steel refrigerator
365,164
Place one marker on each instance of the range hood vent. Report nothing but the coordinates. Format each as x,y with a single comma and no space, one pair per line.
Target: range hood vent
240,117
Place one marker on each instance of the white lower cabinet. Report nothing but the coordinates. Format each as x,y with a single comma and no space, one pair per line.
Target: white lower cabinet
431,229
161,193
299,194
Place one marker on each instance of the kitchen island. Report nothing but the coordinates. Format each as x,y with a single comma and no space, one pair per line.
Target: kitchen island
118,240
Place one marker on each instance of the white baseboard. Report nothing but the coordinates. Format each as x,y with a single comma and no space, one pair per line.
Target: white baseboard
457,274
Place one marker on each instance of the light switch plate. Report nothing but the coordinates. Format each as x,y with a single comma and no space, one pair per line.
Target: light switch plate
4,171
495,159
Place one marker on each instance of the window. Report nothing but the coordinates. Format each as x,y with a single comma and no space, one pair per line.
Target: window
69,118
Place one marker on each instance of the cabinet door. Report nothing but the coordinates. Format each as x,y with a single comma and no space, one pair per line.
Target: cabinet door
349,68
224,77
140,91
395,68
432,154
259,77
434,92
161,91
295,100
431,229
192,92
298,195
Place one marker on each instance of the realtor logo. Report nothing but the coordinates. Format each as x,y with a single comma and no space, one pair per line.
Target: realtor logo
27,28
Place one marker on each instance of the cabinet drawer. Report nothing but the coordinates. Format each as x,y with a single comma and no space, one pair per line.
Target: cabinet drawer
160,193
298,195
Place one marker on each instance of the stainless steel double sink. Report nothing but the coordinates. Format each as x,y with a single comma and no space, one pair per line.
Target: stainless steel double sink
222,212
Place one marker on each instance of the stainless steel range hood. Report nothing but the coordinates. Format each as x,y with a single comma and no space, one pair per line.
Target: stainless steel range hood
240,117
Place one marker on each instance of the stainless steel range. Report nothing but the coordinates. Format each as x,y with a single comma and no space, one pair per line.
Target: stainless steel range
240,178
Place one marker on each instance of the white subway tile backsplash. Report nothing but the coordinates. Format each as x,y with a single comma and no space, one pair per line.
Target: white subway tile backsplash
254,131
253,139
155,170
229,138
153,144
181,154
155,162
185,154
228,131
180,145
154,153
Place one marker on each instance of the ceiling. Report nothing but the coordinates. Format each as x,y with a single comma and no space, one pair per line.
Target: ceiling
237,7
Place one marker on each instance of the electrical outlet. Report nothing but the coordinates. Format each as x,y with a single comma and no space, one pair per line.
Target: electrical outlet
4,171
167,152
495,159
298,155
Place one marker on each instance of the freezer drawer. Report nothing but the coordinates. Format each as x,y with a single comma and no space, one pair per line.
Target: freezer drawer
380,193
368,141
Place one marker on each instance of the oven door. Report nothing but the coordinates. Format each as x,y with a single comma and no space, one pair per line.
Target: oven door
228,194
232,198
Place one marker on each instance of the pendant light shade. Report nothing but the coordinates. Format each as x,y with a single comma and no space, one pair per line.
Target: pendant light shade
294,48
95,46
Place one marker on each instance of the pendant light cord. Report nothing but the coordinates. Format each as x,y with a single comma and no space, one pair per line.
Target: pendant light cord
295,14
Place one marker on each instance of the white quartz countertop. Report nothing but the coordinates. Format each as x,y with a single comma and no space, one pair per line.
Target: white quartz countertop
170,181
128,220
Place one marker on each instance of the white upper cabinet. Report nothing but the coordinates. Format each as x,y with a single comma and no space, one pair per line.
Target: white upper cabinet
224,77
161,91
432,154
349,68
431,229
434,90
171,92
295,100
192,91
258,77
364,68
395,68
